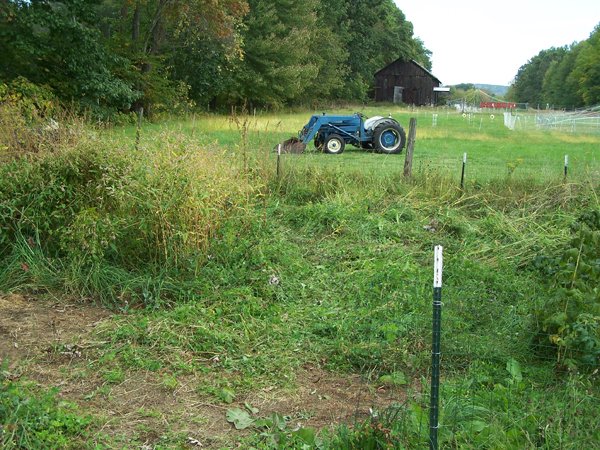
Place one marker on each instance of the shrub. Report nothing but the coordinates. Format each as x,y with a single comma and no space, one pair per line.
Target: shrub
32,121
33,101
571,318
105,221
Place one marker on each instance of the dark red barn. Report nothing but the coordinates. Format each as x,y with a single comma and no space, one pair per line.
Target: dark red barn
406,82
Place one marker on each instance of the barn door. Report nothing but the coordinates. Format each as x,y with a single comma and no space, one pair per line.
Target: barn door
398,94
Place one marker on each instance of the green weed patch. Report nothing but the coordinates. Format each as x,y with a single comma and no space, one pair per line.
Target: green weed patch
33,419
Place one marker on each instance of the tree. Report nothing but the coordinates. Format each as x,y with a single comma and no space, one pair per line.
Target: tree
118,55
168,41
329,52
559,87
586,72
378,34
56,44
566,77
277,62
527,87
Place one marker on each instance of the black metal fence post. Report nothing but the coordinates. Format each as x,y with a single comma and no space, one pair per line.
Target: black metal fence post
462,174
435,347
566,165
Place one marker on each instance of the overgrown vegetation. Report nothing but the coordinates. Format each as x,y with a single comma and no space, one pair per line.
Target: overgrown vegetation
220,272
571,317
101,221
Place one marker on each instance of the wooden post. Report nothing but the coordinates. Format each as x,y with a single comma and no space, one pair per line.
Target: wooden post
278,161
410,147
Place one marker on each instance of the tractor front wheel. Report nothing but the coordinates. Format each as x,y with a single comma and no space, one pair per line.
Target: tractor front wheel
334,144
389,137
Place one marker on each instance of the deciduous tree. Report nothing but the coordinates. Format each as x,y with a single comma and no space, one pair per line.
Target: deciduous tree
587,69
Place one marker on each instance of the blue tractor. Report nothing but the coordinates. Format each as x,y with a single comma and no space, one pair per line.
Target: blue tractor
331,133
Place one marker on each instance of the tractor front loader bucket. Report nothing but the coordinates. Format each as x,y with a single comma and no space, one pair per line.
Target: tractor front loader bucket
292,145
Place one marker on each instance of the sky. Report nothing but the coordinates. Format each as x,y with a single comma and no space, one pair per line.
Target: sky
486,42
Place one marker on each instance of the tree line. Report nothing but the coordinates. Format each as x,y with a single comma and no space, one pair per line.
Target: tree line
110,56
566,77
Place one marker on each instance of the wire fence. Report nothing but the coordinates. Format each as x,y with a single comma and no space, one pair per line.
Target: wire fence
498,402
580,121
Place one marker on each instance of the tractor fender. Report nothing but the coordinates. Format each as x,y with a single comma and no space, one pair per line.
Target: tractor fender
372,122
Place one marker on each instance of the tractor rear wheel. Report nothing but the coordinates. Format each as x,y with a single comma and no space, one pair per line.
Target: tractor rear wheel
334,144
389,137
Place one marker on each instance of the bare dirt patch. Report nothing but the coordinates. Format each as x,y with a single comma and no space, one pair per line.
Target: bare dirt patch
29,327
54,344
142,408
322,398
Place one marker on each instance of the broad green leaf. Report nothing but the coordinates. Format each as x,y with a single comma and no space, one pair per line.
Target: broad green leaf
514,369
279,421
393,379
263,422
308,435
476,425
239,418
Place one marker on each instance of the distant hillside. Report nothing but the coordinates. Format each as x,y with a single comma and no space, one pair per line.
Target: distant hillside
494,89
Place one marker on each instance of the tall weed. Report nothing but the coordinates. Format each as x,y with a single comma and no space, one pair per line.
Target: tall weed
96,208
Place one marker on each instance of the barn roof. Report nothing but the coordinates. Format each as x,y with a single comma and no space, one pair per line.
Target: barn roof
415,63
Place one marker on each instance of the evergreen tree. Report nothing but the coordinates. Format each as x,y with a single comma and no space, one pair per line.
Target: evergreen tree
277,60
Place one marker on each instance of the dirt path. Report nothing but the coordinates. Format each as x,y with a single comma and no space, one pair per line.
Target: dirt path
55,345
30,328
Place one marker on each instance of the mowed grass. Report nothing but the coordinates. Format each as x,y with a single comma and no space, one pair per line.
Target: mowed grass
229,283
493,151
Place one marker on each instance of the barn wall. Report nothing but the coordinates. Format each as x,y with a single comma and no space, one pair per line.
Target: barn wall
418,84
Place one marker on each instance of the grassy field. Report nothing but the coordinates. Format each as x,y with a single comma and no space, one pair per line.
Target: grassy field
190,297
493,151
